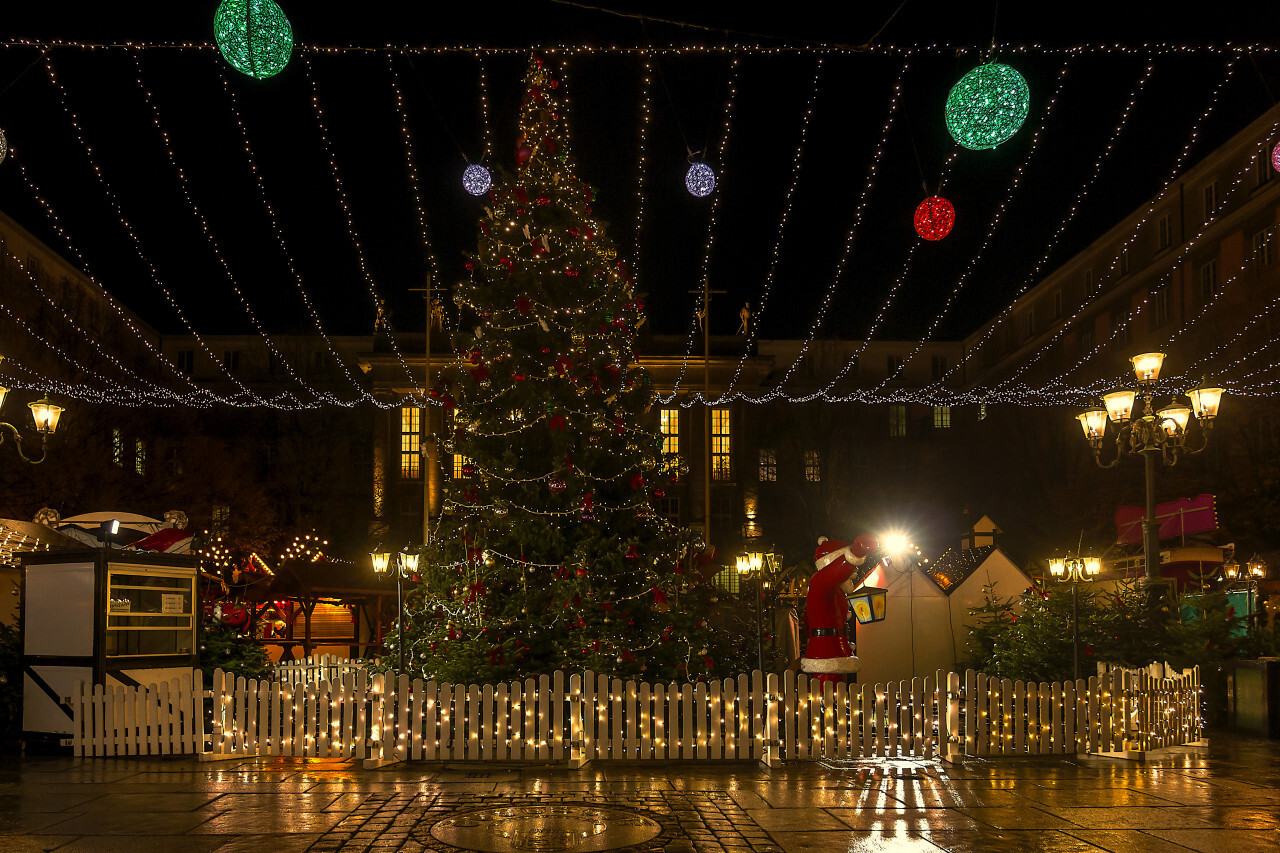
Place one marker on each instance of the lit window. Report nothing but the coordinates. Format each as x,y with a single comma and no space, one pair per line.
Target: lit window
897,420
140,456
721,467
410,442
812,467
982,411
669,425
459,462
768,465
117,448
942,417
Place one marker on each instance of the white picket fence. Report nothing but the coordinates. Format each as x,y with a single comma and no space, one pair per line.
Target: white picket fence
314,668
583,717
158,719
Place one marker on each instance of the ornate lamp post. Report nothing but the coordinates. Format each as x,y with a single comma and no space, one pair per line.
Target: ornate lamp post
45,415
1158,436
765,565
1073,570
406,564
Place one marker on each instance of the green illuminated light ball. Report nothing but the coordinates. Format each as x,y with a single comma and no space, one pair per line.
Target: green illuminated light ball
987,106
254,36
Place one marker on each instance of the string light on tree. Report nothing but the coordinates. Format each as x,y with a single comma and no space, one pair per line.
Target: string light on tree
476,179
934,218
254,36
700,180
987,106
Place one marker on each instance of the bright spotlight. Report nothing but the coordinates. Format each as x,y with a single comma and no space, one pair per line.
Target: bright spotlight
895,543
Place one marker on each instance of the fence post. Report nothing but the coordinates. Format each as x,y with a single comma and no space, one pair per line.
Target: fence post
577,743
772,745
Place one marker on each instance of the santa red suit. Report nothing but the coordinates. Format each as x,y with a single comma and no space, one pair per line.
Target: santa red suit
827,652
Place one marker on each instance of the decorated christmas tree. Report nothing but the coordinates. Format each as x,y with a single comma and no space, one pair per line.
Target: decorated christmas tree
550,553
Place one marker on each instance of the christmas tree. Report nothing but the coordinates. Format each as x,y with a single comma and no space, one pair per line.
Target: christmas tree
549,553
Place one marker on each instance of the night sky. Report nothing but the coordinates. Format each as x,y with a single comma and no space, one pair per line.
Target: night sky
688,99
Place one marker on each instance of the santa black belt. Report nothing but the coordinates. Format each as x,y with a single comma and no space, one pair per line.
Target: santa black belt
824,632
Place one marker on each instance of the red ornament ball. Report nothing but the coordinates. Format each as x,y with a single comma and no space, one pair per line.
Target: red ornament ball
934,218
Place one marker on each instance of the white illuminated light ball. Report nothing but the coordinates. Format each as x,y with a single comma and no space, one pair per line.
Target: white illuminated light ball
476,179
700,180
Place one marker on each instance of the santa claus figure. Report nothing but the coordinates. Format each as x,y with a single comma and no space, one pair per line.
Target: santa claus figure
827,653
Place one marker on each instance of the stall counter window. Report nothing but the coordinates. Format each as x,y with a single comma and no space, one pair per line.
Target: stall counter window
149,612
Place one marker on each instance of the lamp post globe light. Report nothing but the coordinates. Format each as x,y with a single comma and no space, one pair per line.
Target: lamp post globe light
1074,570
1245,579
404,565
1159,436
765,565
45,415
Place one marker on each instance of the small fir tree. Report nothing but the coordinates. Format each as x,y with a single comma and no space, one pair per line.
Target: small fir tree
550,553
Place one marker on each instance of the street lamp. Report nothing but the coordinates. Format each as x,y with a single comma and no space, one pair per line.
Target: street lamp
760,562
1073,570
44,413
1159,436
1246,577
406,564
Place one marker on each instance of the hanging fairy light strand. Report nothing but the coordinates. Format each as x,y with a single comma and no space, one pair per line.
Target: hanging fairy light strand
1081,195
114,201
726,130
334,354
642,171
992,227
214,245
774,257
345,203
415,182
850,237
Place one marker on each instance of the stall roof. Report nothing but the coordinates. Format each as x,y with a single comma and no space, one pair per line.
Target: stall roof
25,537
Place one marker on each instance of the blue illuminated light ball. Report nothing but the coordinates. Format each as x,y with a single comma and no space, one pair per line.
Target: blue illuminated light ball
476,179
700,180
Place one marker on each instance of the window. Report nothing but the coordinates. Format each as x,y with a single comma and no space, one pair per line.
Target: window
231,360
410,442
186,361
1262,167
140,457
1057,305
117,448
942,417
812,467
721,466
853,366
1262,254
219,520
150,612
323,361
1160,306
893,366
768,466
1209,280
1029,325
939,366
1120,331
173,462
1089,286
1164,234
1086,342
669,508
1124,261
897,420
1210,200
669,426
982,411
460,463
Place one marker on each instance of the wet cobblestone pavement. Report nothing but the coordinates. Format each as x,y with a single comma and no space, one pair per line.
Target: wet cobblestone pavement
1222,797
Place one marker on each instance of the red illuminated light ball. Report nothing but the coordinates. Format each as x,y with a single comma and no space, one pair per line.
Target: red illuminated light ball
934,218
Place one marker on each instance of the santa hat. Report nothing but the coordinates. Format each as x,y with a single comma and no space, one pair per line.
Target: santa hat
828,550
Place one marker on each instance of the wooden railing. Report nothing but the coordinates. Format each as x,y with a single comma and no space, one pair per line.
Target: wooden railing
582,717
